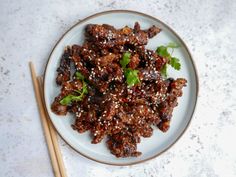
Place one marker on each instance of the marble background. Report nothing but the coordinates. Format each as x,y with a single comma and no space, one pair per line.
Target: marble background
29,30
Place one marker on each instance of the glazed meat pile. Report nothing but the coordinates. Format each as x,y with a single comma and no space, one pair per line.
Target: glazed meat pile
95,89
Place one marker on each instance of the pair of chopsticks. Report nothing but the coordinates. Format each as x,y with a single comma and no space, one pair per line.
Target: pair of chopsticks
49,130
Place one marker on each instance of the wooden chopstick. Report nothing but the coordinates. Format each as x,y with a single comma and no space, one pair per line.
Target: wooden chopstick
44,123
53,132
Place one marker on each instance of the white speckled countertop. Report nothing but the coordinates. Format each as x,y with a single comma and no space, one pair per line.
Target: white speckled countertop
29,30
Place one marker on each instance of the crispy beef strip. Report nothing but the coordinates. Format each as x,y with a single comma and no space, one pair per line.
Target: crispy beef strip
64,69
123,144
166,107
106,36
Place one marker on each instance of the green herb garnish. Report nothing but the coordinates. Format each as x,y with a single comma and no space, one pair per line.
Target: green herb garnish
162,51
125,59
164,70
131,75
79,76
172,61
69,98
172,45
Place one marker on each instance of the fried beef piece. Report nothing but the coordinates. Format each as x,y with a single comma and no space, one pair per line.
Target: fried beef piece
123,144
137,27
150,58
58,108
153,31
107,59
106,36
101,77
100,31
134,62
64,69
110,107
166,107
84,120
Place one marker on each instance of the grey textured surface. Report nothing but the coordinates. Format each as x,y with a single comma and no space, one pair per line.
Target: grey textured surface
29,30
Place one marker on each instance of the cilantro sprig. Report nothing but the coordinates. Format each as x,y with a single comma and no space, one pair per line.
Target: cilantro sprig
172,61
131,75
70,98
125,59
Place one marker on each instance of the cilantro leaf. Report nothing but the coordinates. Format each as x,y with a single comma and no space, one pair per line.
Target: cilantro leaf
67,100
174,62
125,59
164,70
131,77
84,89
70,98
172,45
162,51
79,75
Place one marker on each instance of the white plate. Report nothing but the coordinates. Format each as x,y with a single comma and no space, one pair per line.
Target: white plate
159,142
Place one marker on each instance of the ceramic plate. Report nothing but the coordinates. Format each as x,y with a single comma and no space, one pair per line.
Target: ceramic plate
159,142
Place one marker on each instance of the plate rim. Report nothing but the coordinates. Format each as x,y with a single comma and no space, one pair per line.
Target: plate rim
190,56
